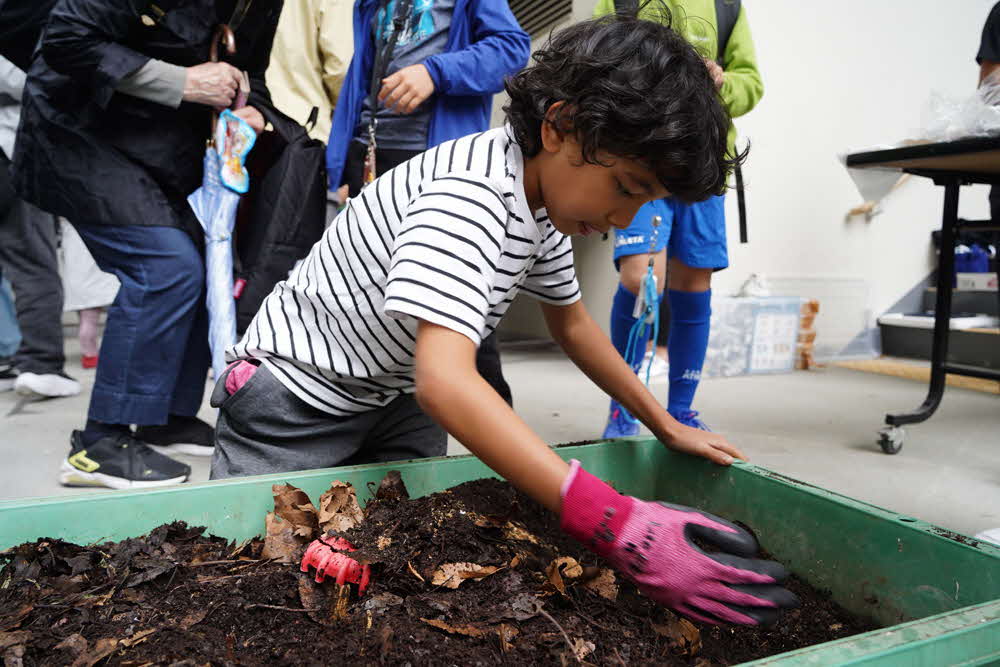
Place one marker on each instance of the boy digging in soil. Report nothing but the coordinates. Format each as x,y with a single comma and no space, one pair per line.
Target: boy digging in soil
371,342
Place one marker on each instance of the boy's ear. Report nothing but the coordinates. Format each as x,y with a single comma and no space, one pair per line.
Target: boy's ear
553,127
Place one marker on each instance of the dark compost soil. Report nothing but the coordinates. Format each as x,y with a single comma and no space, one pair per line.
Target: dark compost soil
176,597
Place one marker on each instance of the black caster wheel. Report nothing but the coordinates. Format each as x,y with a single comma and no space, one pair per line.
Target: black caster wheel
890,439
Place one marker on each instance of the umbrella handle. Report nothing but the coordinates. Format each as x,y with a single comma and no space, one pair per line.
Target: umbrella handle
223,35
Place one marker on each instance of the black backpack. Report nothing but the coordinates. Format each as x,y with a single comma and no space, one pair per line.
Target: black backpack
283,214
726,14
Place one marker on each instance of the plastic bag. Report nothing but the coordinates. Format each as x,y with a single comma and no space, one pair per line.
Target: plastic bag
948,118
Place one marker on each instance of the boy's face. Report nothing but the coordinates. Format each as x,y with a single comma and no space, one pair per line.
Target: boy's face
583,198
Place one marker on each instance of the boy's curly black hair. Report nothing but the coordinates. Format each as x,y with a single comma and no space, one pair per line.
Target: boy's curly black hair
632,88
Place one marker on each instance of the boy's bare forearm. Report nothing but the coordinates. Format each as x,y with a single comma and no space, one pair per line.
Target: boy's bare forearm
451,391
591,350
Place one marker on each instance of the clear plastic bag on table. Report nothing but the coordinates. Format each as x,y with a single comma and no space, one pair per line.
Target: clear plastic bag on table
947,118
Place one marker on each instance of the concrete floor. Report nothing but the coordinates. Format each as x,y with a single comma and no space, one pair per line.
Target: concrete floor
818,427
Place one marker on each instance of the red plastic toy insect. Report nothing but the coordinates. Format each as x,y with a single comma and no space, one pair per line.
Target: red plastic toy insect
326,554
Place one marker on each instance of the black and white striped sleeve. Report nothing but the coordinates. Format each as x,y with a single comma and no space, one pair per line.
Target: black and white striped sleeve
553,277
445,255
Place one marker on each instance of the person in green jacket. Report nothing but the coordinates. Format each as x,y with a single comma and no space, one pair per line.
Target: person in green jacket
692,237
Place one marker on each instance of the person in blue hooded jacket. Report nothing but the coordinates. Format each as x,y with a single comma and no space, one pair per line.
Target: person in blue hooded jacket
449,59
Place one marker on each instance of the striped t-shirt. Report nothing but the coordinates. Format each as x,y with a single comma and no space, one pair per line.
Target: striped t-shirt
446,237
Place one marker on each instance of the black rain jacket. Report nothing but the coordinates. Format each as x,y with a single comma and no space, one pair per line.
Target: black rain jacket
96,156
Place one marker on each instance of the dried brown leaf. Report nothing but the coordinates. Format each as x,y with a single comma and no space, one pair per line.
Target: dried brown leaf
603,584
138,637
392,487
568,566
14,656
414,572
468,630
582,648
451,575
314,598
280,542
102,649
507,632
14,638
523,607
75,644
193,619
684,637
326,604
564,567
385,639
513,531
19,617
339,509
293,505
341,599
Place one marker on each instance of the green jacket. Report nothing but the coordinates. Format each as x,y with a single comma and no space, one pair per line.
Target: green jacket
695,20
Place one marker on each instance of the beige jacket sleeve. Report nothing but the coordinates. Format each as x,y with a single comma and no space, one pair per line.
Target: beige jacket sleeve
336,43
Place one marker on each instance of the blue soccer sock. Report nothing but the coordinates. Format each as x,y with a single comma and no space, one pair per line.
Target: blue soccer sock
690,316
622,323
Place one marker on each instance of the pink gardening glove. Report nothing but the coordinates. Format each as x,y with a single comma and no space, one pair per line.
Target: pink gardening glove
651,544
240,373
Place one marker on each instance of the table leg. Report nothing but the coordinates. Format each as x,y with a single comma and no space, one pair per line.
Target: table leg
942,313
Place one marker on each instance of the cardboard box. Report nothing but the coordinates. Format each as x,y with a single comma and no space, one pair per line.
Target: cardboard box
986,282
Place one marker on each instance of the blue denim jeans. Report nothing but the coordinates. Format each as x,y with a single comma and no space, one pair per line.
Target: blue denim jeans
154,354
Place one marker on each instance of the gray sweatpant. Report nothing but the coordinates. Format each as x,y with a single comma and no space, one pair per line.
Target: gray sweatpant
264,428
28,257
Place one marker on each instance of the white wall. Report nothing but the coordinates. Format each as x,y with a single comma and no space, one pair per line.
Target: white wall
837,76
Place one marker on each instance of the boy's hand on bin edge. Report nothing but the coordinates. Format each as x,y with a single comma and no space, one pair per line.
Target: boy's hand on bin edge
653,545
705,444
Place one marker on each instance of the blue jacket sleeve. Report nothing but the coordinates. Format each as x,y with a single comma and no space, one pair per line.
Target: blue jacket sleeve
499,48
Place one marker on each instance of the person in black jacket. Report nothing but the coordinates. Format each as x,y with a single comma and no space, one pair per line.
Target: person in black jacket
116,111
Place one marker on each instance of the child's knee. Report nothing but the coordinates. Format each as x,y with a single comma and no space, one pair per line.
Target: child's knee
684,278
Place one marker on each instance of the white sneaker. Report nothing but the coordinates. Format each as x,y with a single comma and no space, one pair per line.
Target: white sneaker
656,365
992,535
755,285
50,385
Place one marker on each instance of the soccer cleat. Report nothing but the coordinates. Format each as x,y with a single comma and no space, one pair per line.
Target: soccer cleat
46,385
690,418
620,423
119,462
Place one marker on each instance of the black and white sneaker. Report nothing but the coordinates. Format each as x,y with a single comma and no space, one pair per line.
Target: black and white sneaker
119,462
180,435
46,385
8,375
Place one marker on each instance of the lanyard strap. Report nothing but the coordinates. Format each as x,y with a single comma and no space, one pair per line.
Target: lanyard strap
383,55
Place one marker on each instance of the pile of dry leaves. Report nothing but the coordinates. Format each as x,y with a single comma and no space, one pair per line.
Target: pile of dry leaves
477,574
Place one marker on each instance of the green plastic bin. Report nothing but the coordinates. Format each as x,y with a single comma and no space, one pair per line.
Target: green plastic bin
937,593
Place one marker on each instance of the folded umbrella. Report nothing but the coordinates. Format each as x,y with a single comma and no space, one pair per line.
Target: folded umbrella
214,203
